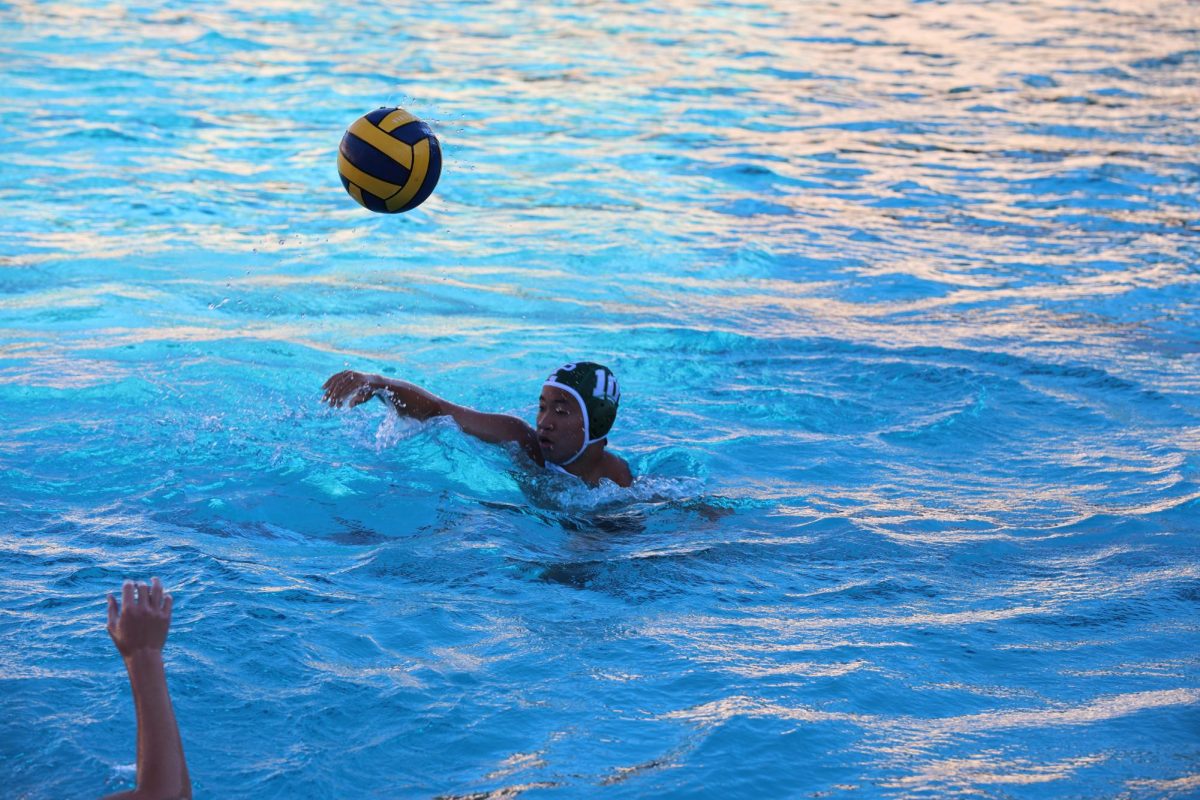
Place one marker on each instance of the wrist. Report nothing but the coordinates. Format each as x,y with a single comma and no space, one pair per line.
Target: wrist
143,658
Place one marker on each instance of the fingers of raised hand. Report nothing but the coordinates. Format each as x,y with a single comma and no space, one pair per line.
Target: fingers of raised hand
330,386
143,618
347,387
335,388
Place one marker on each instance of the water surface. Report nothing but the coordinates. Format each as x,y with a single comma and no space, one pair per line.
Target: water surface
903,301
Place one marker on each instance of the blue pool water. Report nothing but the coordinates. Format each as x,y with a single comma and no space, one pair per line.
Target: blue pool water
904,301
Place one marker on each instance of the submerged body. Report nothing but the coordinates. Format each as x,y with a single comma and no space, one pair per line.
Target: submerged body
567,438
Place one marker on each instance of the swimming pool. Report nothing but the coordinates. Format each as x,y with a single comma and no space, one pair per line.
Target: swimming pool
903,301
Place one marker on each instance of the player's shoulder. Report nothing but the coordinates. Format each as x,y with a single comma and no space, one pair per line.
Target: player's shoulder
525,436
617,470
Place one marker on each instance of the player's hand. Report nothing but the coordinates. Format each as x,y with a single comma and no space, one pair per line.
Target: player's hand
143,618
350,388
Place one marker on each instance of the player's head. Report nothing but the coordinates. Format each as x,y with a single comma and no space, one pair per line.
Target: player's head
577,409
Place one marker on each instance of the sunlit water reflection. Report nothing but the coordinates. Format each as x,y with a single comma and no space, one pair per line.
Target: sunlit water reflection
903,299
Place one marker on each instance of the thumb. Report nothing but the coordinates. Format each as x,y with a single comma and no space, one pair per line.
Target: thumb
112,613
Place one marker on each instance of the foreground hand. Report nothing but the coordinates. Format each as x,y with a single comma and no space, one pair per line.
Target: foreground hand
350,388
143,619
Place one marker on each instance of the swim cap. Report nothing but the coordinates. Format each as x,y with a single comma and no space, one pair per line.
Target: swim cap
595,388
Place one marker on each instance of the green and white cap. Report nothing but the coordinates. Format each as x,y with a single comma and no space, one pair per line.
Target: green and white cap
595,388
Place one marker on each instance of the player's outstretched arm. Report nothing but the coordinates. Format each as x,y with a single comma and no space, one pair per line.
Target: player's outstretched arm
139,630
350,388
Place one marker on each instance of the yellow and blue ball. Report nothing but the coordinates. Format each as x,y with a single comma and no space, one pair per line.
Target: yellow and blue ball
389,161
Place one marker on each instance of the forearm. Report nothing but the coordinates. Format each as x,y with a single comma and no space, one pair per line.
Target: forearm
161,768
411,400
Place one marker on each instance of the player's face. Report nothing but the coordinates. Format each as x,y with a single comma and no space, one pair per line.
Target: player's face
559,425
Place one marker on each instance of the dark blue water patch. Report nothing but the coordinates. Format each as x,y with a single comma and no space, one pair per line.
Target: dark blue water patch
896,126
785,74
757,177
639,582
777,755
1108,615
1116,91
706,91
842,40
1085,375
849,176
1165,525
1094,188
1003,227
1173,60
103,133
754,208
1037,156
624,519
1039,81
1106,223
914,195
1094,135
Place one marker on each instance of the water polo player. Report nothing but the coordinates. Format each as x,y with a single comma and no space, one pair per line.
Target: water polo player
576,410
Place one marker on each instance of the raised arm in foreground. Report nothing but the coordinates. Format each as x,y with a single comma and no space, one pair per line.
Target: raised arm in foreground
351,388
139,629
